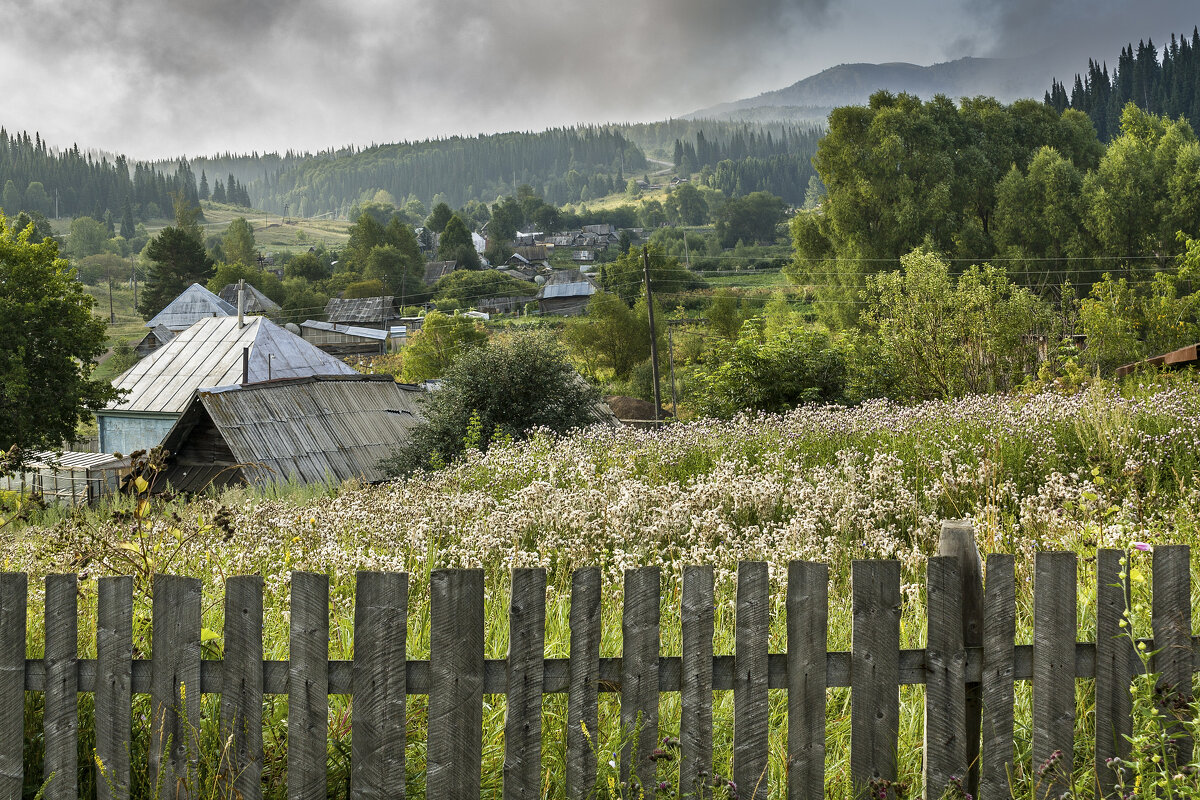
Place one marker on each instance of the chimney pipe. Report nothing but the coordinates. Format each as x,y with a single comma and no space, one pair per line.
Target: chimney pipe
241,301
245,365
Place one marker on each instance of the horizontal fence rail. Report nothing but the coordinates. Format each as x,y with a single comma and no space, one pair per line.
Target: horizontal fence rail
968,668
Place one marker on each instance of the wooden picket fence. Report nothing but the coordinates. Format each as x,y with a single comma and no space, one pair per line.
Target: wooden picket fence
968,670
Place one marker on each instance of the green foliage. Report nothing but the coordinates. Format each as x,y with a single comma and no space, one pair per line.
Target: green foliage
771,369
123,357
752,219
301,301
439,217
307,266
456,244
686,206
723,314
946,336
468,287
368,288
87,237
98,269
239,243
498,393
51,340
611,336
260,279
399,269
440,341
625,277
177,260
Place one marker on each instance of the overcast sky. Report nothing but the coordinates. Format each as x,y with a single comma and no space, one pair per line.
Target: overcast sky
156,78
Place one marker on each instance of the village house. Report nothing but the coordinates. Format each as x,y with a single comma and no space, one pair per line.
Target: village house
218,351
366,312
436,270
193,304
253,302
349,340
566,293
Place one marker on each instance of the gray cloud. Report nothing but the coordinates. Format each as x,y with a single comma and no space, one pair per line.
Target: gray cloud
163,77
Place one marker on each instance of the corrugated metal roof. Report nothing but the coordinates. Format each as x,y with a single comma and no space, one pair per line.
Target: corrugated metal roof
434,270
193,304
73,460
362,309
209,353
349,330
316,430
576,289
256,301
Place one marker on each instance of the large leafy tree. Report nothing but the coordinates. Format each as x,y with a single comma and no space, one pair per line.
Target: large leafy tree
441,339
50,341
239,243
456,244
177,260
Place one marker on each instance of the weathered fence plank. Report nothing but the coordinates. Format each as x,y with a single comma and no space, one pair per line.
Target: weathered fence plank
875,676
523,704
455,749
1115,659
1054,625
583,683
639,675
14,597
807,632
1171,618
958,541
379,685
242,687
750,722
999,636
308,687
114,686
945,683
61,715
175,686
696,699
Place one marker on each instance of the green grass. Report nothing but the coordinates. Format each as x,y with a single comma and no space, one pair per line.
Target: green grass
1049,471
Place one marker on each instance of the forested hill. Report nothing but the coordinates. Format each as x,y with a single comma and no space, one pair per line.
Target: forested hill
1169,86
32,174
566,165
740,158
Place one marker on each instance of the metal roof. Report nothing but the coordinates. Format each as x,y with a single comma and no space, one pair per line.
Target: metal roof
256,301
349,330
309,430
192,305
73,460
362,309
209,353
435,270
575,289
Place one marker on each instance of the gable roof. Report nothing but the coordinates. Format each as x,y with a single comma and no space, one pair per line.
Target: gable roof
192,305
360,309
209,354
567,283
256,301
309,430
434,270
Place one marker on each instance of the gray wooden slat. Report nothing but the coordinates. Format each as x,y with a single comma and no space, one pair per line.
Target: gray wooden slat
1171,617
958,540
1054,625
175,686
696,692
584,683
523,705
750,722
945,683
874,675
639,675
999,636
14,598
455,749
807,630
242,687
61,716
1115,659
379,685
308,687
114,685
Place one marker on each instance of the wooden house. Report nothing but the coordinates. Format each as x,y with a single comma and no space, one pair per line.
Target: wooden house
255,302
192,305
365,312
436,270
309,430
346,340
156,338
566,293
213,352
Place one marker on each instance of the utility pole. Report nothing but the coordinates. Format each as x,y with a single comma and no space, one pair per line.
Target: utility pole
112,317
686,255
653,333
133,270
671,361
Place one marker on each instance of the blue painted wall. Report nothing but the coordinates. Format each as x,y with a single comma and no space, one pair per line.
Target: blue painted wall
125,433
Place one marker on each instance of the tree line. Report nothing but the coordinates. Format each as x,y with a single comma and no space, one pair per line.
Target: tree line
1169,86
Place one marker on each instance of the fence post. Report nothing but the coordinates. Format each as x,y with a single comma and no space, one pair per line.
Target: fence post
875,677
455,744
958,542
61,716
584,678
640,647
14,597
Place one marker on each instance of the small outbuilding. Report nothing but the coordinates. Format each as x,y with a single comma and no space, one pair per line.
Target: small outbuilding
566,293
365,312
68,478
349,340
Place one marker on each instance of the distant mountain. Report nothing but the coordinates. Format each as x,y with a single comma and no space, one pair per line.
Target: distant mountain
852,84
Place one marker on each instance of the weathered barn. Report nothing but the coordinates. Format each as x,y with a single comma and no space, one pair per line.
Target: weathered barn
346,340
156,338
566,293
192,305
210,353
369,312
255,302
436,270
309,430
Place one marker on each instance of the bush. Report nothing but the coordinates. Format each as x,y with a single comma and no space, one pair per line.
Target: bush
496,393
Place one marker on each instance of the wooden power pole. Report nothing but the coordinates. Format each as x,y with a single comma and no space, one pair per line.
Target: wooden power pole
653,332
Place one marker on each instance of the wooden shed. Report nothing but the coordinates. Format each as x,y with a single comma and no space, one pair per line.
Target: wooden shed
347,340
68,478
566,293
